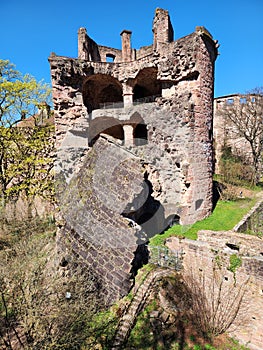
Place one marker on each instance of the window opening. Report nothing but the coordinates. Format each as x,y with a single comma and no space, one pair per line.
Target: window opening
147,85
243,100
110,58
102,91
140,135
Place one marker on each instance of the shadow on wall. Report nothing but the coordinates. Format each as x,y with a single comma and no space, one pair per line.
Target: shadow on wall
148,221
115,128
101,88
106,125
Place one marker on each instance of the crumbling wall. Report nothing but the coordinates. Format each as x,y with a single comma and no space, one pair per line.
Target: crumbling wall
187,89
207,263
87,48
109,51
162,29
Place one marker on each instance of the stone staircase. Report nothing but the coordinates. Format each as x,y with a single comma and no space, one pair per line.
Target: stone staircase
141,294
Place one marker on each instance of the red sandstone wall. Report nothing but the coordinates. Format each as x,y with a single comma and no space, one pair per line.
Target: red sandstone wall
207,261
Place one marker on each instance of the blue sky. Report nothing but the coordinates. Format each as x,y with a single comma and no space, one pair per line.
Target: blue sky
31,30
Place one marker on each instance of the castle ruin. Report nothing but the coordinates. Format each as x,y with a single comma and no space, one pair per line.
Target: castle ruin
134,146
229,134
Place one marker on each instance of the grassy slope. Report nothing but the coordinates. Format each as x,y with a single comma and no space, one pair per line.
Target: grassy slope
224,217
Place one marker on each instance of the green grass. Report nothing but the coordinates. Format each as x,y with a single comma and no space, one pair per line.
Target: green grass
224,217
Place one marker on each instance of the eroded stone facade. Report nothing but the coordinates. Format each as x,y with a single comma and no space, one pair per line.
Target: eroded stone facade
152,108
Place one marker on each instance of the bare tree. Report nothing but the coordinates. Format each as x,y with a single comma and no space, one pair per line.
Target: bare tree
216,303
244,119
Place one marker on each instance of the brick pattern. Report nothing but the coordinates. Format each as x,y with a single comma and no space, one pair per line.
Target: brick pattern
91,206
141,294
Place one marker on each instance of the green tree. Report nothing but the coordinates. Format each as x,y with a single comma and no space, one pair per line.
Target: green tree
26,161
26,151
20,95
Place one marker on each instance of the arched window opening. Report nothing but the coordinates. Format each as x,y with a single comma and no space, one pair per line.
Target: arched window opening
146,84
110,58
140,135
101,90
140,132
140,92
105,125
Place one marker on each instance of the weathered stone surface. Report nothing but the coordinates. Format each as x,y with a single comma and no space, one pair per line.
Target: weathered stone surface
157,105
208,260
91,205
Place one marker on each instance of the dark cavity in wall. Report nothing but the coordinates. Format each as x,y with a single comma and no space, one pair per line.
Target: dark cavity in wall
148,220
146,84
217,190
140,135
100,90
232,246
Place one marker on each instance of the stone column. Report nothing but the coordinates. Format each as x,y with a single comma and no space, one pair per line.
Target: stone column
82,52
126,45
127,95
128,135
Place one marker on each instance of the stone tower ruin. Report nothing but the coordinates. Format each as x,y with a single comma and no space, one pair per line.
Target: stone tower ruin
134,146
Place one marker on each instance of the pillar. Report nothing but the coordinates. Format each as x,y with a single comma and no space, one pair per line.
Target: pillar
162,29
127,95
128,135
126,45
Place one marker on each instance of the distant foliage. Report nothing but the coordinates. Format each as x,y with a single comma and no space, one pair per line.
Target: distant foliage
235,169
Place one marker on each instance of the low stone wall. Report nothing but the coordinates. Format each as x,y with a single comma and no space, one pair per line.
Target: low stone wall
210,262
253,221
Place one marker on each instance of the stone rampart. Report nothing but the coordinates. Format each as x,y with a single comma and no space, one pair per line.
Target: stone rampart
253,221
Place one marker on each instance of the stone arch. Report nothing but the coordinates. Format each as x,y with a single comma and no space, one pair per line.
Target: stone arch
101,89
140,132
146,84
105,125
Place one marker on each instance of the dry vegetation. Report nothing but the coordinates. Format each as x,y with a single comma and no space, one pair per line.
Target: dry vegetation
43,306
